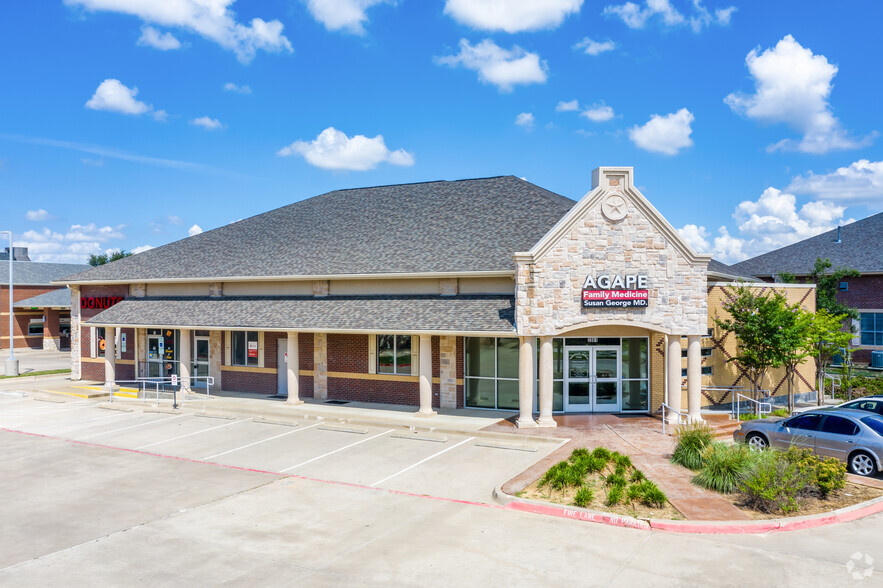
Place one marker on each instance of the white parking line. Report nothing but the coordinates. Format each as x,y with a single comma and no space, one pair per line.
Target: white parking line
434,455
86,422
191,434
42,410
335,451
259,442
177,416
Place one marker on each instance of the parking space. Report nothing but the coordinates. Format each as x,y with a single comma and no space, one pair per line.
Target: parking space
457,466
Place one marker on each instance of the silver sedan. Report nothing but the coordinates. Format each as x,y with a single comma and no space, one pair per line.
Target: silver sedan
852,436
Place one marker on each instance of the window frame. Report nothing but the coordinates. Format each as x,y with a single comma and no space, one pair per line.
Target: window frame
396,370
875,333
496,377
245,340
40,321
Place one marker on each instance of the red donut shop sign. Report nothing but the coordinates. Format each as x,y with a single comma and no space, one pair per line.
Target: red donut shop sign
610,291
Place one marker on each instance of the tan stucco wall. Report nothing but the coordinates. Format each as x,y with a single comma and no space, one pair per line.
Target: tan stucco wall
288,288
187,289
412,286
487,286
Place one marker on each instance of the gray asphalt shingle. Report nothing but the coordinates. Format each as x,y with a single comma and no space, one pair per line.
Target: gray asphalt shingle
55,299
33,273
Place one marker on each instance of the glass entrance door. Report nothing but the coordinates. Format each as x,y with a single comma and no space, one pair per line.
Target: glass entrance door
154,356
592,379
200,362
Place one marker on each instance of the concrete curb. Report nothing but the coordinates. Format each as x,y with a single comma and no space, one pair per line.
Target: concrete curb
843,515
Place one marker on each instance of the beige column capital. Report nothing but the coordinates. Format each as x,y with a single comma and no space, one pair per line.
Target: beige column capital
425,376
525,383
673,375
110,358
694,377
546,383
293,368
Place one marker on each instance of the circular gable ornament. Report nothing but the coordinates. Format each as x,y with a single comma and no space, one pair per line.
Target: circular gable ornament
614,207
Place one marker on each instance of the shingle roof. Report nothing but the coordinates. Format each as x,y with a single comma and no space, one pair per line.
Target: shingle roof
33,273
445,226
859,248
718,270
491,314
60,298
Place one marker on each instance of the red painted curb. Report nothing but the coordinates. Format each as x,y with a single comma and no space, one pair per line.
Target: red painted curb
579,514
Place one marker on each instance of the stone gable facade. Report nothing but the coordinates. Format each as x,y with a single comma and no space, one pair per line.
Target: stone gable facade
613,230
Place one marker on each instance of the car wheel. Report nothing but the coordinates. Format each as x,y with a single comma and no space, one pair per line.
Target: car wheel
862,464
756,441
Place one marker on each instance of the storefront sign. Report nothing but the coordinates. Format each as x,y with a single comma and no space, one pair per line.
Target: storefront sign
100,302
614,291
252,348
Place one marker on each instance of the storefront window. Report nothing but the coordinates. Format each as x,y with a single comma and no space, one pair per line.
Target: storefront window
244,348
492,373
635,376
35,327
394,354
872,328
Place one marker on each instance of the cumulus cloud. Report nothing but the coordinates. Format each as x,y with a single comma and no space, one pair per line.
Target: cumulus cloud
210,19
599,113
151,37
194,230
636,17
142,249
231,87
792,86
590,47
525,120
71,246
342,15
332,149
570,106
114,96
37,215
208,123
858,183
664,134
511,16
504,68
696,237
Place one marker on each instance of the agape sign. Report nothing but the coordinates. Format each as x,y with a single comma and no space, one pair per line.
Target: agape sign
615,291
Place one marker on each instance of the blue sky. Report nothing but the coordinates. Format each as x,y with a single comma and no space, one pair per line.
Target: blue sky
129,123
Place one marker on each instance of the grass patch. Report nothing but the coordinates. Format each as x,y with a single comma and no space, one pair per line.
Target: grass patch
724,467
692,440
39,373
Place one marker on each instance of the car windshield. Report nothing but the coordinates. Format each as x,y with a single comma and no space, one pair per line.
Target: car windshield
875,423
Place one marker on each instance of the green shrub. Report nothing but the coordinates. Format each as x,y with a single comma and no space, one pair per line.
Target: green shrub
595,464
615,479
615,494
638,476
826,474
562,475
780,412
773,484
748,416
584,496
602,453
691,440
723,467
633,493
622,461
580,453
651,495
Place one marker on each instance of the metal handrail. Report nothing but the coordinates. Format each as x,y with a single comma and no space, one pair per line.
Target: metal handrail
836,380
736,410
683,418
142,384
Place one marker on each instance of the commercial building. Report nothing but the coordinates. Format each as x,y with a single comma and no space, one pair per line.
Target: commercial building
856,246
487,293
41,309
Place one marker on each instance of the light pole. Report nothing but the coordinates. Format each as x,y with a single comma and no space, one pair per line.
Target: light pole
11,363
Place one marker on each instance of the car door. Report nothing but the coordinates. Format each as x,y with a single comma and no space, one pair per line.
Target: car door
836,437
797,431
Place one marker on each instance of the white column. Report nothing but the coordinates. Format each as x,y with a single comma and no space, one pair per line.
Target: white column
694,377
183,364
525,383
425,376
293,369
546,384
673,369
110,358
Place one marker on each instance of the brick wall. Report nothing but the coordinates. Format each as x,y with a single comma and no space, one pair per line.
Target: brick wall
22,316
94,370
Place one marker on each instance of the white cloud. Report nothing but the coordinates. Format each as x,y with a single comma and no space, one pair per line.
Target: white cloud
599,113
71,246
859,183
151,37
525,120
636,17
792,86
346,15
664,134
590,47
332,149
38,215
210,19
696,237
142,249
511,16
208,123
503,68
114,96
231,87
194,230
570,106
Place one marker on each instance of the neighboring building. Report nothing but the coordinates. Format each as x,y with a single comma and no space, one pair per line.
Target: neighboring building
858,246
41,309
488,293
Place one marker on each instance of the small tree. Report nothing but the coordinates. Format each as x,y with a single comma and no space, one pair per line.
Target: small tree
755,320
827,286
96,259
795,343
826,337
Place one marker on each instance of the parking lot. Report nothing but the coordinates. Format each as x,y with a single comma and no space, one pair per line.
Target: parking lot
459,467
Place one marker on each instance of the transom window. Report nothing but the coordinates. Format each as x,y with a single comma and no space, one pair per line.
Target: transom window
244,348
394,354
872,328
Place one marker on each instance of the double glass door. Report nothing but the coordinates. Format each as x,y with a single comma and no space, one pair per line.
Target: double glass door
591,379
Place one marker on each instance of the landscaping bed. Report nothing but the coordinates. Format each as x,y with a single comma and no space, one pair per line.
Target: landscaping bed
602,480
